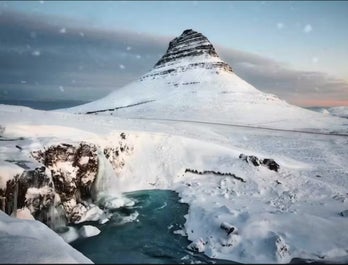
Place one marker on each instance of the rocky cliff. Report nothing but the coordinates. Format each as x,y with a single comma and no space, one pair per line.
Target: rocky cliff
64,186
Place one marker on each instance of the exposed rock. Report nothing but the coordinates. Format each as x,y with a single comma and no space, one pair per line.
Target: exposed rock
195,171
344,213
73,170
190,44
32,189
228,228
250,159
117,154
270,164
60,192
267,162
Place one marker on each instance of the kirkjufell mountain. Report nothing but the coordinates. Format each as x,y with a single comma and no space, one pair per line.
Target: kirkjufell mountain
191,82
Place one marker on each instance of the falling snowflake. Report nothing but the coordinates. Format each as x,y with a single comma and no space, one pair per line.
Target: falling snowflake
36,53
129,48
42,2
82,34
315,59
62,30
33,34
61,88
280,25
308,28
122,66
138,56
23,82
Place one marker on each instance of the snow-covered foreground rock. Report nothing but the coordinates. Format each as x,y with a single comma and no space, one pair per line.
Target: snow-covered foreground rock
276,215
29,241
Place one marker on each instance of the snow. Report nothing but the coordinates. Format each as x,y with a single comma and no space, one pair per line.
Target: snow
341,111
88,231
269,217
201,95
7,172
24,213
93,214
28,241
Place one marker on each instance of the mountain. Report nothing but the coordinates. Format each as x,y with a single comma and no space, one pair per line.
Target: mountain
191,82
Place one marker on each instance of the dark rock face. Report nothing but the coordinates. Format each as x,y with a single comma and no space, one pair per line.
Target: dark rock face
267,162
73,171
190,44
63,189
32,189
270,164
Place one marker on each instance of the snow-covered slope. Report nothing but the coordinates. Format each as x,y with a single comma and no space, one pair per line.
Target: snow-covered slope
298,211
191,82
29,241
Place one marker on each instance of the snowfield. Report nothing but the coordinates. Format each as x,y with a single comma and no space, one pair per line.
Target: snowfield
276,216
29,241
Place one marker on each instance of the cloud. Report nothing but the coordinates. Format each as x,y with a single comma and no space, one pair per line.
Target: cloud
45,58
295,86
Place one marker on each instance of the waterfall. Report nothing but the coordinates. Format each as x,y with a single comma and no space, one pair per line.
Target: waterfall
104,185
105,189
56,218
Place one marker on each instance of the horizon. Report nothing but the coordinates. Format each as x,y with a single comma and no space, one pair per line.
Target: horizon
85,50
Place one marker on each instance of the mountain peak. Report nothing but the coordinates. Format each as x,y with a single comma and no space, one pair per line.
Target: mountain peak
190,43
191,50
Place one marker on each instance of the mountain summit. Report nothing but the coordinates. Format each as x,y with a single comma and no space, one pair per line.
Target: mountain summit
191,82
190,50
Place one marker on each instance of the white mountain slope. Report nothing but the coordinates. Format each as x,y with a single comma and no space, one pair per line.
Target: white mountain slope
191,82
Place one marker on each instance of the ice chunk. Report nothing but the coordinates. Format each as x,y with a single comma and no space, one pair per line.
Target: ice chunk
89,231
70,235
197,245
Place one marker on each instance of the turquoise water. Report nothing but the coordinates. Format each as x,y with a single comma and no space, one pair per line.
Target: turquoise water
148,240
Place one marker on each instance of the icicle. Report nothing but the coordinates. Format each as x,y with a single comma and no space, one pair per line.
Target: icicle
15,199
2,203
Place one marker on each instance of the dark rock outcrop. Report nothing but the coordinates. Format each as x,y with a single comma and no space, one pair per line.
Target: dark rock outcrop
204,172
32,189
63,188
73,170
267,162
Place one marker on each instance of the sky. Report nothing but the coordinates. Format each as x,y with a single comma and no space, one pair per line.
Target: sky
83,50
